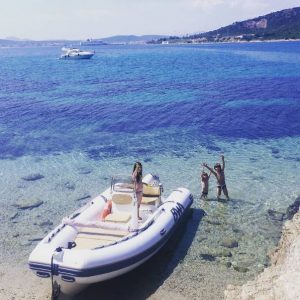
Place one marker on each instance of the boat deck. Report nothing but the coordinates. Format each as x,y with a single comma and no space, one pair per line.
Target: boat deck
89,238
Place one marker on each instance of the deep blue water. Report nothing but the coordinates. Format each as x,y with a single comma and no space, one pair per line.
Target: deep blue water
173,107
172,95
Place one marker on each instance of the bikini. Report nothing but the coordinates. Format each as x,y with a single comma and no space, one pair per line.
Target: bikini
222,186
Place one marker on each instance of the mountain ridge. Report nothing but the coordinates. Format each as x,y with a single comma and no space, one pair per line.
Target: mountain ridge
284,24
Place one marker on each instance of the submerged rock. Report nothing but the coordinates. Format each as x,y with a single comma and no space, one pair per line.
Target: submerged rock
13,216
35,239
281,279
33,177
275,215
230,243
213,222
69,185
28,204
45,223
83,197
293,209
240,268
223,253
85,171
208,256
227,264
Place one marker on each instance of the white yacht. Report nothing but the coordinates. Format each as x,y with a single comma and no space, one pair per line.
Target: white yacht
75,53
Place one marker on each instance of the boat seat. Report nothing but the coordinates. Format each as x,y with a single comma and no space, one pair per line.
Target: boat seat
151,194
118,217
121,199
89,238
121,208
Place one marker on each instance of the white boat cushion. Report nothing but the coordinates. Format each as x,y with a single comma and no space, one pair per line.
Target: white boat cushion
149,200
118,217
121,199
151,194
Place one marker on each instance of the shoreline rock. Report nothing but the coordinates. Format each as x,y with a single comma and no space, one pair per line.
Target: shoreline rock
281,280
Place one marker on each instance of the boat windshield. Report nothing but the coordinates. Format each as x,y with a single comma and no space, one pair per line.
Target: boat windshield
122,184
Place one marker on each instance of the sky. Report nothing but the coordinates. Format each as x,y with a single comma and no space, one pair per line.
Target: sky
83,19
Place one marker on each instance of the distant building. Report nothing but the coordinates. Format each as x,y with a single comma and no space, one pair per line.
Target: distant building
260,24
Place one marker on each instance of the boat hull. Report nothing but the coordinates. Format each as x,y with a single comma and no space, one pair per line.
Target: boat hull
78,56
75,269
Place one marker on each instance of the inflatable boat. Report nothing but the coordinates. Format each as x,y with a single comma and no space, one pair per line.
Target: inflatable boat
105,238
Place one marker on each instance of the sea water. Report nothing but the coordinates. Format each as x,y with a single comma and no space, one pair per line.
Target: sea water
77,123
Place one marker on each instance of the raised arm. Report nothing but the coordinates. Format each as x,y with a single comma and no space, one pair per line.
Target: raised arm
223,162
209,168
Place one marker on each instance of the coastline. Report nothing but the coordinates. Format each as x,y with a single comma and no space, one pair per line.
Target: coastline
281,279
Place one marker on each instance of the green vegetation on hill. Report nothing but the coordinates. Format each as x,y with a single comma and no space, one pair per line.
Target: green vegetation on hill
283,24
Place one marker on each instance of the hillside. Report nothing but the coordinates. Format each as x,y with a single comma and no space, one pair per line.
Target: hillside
284,24
130,39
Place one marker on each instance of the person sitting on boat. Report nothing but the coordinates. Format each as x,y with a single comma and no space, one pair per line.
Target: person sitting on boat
220,176
137,176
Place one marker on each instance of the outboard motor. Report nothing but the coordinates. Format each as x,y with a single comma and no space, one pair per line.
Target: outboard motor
152,180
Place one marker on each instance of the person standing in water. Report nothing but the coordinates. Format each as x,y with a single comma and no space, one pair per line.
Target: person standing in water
220,176
204,184
137,176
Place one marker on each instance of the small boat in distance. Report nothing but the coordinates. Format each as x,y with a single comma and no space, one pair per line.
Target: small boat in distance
75,53
105,239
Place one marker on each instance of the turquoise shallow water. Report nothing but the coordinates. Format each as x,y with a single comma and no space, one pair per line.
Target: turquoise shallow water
78,123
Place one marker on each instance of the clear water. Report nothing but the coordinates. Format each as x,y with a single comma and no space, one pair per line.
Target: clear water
173,107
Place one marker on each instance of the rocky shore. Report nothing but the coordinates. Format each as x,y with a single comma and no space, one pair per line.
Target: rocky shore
280,281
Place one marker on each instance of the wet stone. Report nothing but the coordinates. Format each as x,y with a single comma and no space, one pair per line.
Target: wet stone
22,185
240,269
35,239
223,253
85,171
69,185
45,223
230,243
25,243
28,204
13,216
275,215
33,177
237,230
213,222
207,256
227,264
293,209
